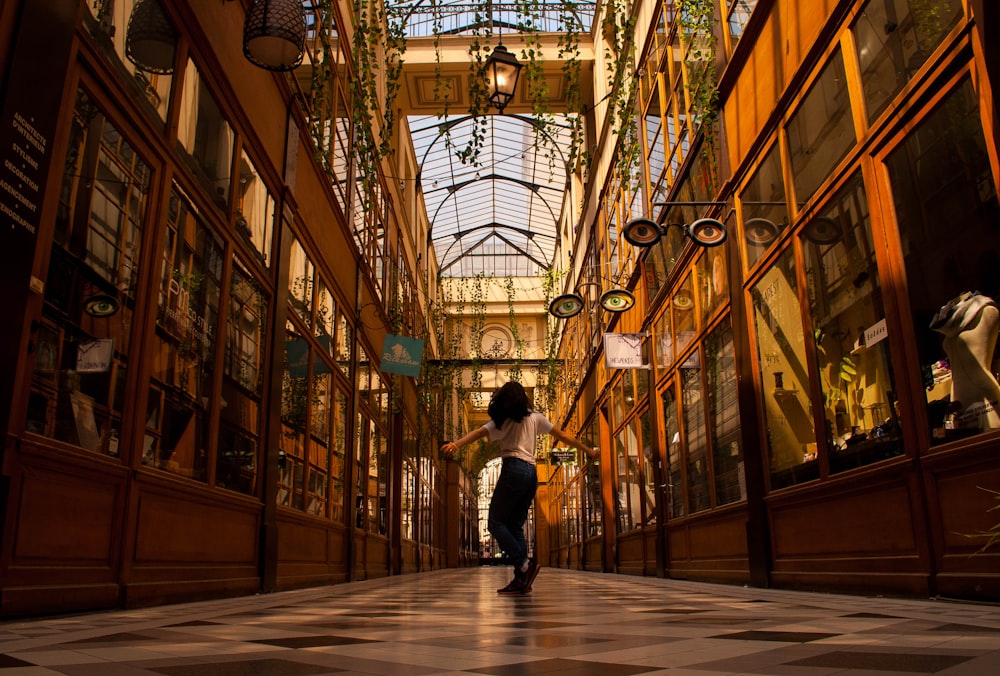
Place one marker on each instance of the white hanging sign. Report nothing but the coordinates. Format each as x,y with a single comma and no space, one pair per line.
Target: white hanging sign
624,351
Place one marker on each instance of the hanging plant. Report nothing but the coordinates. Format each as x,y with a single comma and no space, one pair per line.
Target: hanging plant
514,373
378,46
569,55
697,24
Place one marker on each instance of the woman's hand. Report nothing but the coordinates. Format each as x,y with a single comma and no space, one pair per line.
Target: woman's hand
449,449
592,452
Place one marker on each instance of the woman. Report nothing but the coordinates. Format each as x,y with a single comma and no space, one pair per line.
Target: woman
515,425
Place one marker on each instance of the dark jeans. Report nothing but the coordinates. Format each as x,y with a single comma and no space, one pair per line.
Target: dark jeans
512,498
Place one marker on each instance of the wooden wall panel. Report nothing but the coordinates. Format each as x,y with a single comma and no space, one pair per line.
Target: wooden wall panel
960,508
710,548
630,554
791,29
310,551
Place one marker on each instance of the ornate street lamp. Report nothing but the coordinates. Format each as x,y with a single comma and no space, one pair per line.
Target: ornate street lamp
150,39
502,71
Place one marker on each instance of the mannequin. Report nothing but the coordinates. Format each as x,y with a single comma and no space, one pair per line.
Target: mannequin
969,324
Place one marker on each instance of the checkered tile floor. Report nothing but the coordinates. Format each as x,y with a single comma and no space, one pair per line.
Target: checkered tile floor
453,622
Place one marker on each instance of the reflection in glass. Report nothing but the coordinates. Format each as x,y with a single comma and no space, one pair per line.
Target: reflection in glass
821,131
765,211
791,435
187,322
696,465
206,136
254,212
685,320
849,327
648,466
894,39
945,197
724,415
675,467
242,385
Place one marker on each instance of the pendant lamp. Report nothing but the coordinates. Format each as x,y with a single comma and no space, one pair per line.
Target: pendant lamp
274,34
150,39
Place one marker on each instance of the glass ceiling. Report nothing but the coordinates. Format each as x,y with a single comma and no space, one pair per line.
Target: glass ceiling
498,215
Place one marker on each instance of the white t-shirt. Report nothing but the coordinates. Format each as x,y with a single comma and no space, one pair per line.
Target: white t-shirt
517,439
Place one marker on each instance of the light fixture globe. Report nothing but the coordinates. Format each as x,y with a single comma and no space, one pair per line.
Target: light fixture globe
617,300
150,39
822,230
566,306
274,34
502,71
642,232
101,305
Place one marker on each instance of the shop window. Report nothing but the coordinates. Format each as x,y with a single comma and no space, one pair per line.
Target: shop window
849,326
712,281
326,317
242,385
821,132
108,24
629,480
411,483
893,39
649,474
360,468
295,400
206,137
344,340
321,434
301,278
764,208
945,197
663,342
181,396
341,438
377,489
724,415
254,212
684,316
696,467
81,348
738,13
675,466
784,379
593,508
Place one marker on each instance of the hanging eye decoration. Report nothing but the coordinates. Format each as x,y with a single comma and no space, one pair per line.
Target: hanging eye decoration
566,306
822,230
101,305
617,300
642,232
707,232
760,231
683,300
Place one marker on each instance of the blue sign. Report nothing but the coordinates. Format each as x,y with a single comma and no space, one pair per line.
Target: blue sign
402,355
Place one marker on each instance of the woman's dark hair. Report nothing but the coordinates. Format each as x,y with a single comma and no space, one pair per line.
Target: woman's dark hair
510,402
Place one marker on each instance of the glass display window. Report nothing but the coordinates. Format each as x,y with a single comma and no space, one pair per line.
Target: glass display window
301,281
893,40
685,316
149,82
83,343
674,454
712,281
593,514
821,131
254,213
697,468
205,137
945,197
784,380
861,419
764,208
724,415
242,385
181,393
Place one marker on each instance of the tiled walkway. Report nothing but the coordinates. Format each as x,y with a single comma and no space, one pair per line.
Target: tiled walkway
575,623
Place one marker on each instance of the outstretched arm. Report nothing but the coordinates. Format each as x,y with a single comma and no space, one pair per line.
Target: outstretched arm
450,448
559,435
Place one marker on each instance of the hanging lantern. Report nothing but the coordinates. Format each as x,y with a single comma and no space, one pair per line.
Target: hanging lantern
150,39
274,34
502,71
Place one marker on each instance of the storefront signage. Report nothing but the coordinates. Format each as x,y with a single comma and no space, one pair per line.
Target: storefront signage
624,351
875,333
402,355
39,61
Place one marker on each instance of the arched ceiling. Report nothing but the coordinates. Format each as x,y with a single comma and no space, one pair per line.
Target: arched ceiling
497,212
